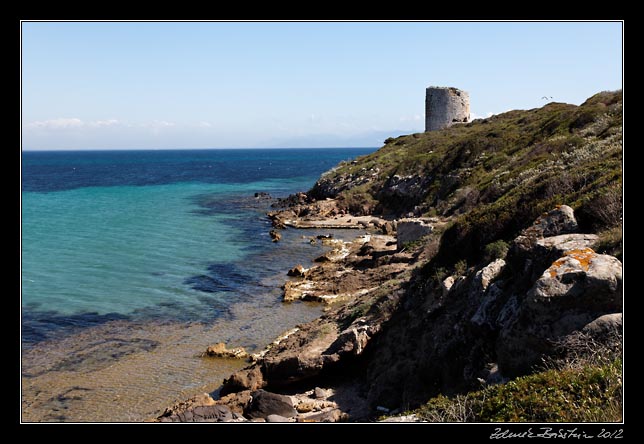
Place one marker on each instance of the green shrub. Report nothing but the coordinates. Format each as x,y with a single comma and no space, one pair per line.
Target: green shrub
460,268
495,250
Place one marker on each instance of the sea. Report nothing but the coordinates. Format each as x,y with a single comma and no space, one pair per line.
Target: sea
133,262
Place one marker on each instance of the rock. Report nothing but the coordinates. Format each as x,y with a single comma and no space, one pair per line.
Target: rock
387,229
302,355
323,258
484,276
447,284
485,313
276,418
292,292
219,350
410,230
528,257
366,250
560,220
171,414
333,415
263,195
265,403
604,325
576,289
276,219
297,271
305,407
352,340
275,235
558,245
250,378
204,399
324,236
320,393
403,418
237,402
481,290
204,413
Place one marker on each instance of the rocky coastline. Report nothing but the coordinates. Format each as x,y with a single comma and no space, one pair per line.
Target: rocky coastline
486,251
353,275
314,372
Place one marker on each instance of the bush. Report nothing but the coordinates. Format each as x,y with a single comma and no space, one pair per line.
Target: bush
607,207
495,250
460,268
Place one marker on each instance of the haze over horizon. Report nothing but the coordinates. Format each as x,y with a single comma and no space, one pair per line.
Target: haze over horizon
164,85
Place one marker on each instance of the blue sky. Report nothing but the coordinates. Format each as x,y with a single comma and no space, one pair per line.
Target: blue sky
101,85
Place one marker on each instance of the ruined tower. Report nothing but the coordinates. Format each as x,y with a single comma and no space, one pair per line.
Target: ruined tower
445,106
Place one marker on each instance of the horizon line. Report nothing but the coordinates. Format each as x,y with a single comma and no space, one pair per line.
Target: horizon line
194,149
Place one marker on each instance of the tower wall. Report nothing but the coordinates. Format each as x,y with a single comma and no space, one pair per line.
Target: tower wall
445,106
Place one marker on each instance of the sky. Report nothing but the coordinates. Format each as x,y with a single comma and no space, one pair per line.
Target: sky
162,85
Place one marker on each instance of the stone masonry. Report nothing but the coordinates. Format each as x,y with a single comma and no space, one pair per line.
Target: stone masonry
445,106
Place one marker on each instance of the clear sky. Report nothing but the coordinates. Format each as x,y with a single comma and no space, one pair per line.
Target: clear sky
101,85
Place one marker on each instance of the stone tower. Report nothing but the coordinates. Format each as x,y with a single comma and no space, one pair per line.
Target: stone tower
445,106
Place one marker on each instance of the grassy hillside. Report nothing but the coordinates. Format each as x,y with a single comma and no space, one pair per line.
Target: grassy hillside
484,182
495,176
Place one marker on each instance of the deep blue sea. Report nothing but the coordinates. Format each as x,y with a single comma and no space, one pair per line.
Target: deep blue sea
149,238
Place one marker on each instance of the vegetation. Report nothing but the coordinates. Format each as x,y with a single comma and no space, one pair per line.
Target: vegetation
495,250
589,394
493,177
484,182
584,386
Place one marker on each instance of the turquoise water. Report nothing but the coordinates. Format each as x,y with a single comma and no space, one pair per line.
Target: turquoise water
134,262
150,235
119,249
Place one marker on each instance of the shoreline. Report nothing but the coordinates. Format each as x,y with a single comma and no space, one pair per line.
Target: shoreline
356,283
84,375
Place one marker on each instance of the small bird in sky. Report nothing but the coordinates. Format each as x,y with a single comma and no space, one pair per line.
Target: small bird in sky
546,97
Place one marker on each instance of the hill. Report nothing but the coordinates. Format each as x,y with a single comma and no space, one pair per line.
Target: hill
488,286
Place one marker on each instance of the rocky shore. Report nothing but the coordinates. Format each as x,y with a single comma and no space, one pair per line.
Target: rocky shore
315,372
491,248
359,280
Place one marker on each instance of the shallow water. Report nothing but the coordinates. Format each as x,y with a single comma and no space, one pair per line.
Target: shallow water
121,371
133,263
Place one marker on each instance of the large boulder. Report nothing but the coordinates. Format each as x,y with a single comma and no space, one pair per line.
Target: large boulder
560,220
250,378
605,325
529,256
573,291
264,404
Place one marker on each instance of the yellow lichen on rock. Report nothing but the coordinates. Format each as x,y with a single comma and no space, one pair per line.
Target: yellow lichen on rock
582,255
